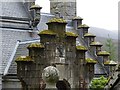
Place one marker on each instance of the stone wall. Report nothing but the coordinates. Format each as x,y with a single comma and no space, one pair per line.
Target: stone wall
66,9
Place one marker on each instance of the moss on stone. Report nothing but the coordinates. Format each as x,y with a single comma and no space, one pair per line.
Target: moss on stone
35,7
81,47
24,59
57,20
90,60
71,34
96,44
103,53
36,45
89,35
110,62
78,17
47,32
83,26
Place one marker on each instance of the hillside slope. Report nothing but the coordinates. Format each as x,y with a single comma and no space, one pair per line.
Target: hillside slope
103,32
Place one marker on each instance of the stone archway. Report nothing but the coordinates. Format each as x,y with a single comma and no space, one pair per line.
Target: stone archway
63,85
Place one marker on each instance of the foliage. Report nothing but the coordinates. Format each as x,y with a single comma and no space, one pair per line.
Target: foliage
110,47
98,84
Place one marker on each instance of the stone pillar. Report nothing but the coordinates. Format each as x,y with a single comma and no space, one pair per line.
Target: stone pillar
66,8
83,29
89,38
0,81
97,47
76,22
1,58
105,55
90,69
79,68
70,57
29,3
35,13
112,67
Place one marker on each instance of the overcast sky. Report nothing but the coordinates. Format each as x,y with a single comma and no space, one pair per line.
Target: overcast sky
97,13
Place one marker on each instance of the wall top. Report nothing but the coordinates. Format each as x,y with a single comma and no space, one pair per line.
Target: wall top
57,20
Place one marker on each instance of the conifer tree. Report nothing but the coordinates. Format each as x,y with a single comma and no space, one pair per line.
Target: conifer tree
110,47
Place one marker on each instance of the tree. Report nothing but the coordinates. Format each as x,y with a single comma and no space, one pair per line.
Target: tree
99,83
110,47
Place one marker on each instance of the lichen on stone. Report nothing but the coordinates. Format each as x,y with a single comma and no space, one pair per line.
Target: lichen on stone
103,53
78,17
110,62
57,20
35,6
96,44
47,32
50,74
90,60
83,25
24,59
37,19
80,47
35,45
71,34
89,35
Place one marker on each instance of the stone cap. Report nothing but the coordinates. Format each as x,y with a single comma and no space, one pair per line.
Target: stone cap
103,53
47,32
57,20
95,44
89,35
118,68
71,34
77,18
90,61
83,26
81,48
24,59
35,7
35,45
110,63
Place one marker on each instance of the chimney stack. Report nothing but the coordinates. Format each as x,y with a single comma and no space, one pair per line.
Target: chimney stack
97,46
83,29
76,22
89,38
104,54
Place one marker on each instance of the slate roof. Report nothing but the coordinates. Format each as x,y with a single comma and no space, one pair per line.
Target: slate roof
11,35
21,51
13,9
